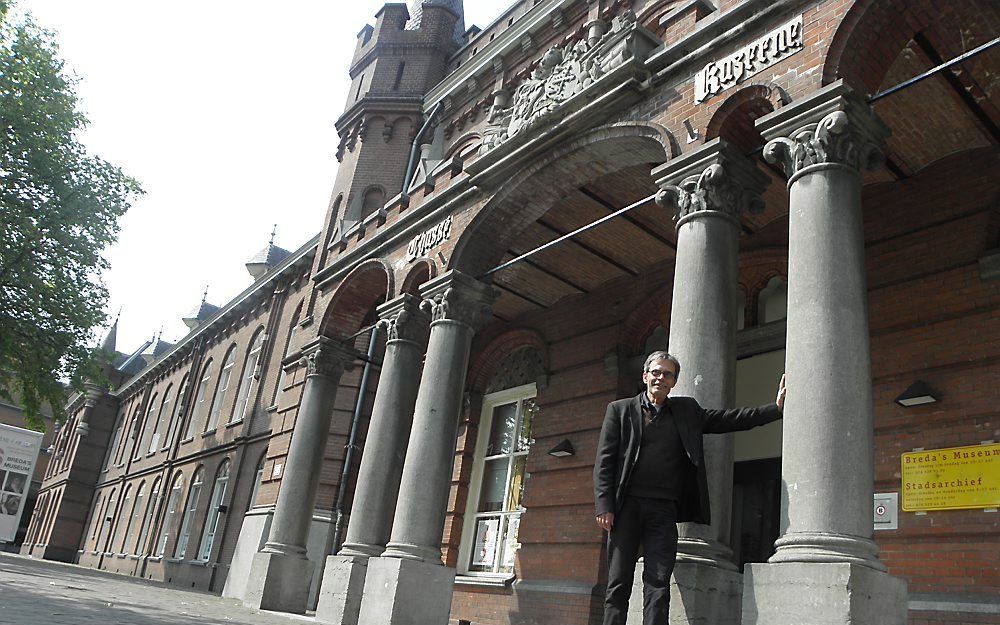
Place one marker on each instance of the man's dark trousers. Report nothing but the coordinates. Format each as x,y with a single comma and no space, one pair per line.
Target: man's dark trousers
653,524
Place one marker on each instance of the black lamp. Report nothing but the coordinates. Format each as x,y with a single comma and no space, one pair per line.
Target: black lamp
563,449
918,393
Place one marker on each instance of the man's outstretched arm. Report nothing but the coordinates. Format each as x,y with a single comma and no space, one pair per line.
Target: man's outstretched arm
736,419
606,468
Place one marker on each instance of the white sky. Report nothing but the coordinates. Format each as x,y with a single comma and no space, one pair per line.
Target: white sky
224,112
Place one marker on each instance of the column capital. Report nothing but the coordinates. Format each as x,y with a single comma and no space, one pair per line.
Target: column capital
713,180
455,296
834,126
327,357
403,320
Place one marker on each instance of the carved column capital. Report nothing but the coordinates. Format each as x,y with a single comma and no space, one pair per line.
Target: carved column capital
832,127
455,296
403,320
714,180
326,357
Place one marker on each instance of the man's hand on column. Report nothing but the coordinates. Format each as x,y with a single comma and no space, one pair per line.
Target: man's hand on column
606,521
780,399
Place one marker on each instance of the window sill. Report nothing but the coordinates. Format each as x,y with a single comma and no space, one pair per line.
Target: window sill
487,581
234,423
208,433
154,558
271,408
187,440
150,454
198,562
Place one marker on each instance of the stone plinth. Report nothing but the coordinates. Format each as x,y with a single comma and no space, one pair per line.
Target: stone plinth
279,582
805,593
340,595
699,595
408,592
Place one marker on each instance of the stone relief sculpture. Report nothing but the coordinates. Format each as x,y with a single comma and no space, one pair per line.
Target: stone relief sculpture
563,73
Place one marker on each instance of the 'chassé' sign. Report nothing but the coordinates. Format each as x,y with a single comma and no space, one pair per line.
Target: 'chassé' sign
954,478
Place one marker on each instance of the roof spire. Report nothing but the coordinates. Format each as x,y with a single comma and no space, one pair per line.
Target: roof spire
274,231
204,296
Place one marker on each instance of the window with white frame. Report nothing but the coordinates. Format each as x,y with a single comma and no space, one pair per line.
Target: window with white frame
179,402
110,510
133,517
220,391
173,502
215,510
199,400
142,540
248,377
124,516
138,448
258,477
493,512
160,424
284,354
189,511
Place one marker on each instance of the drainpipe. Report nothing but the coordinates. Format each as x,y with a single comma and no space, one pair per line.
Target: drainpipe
338,510
411,166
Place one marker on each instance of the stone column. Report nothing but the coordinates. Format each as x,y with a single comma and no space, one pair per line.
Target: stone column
408,584
826,562
381,463
708,189
280,573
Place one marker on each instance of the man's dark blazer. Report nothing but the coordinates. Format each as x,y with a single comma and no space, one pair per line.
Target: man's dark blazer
621,435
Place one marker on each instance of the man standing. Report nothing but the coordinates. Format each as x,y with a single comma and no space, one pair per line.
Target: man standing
650,475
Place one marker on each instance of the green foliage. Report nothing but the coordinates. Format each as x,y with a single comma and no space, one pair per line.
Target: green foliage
59,209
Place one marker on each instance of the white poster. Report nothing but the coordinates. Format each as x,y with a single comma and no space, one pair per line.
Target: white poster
486,542
18,453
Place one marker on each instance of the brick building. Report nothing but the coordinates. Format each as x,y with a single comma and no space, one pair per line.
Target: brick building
397,422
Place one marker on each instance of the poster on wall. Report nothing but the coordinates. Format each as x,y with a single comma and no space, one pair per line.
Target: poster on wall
486,542
18,453
954,478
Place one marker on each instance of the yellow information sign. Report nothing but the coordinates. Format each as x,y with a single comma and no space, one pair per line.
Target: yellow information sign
954,478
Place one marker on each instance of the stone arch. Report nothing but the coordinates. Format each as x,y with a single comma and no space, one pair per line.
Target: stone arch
365,287
492,356
464,144
643,320
530,192
421,271
372,200
734,119
874,32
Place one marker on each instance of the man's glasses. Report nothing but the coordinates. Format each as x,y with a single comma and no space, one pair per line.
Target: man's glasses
660,373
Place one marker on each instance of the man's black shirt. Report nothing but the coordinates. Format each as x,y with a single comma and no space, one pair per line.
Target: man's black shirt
663,468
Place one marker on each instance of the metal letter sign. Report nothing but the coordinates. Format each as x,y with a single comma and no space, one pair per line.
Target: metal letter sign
18,453
951,479
775,46
428,240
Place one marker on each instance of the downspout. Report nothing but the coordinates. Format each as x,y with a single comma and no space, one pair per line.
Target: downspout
338,529
411,166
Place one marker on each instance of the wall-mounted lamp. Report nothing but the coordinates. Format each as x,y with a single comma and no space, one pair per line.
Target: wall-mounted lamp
563,449
918,393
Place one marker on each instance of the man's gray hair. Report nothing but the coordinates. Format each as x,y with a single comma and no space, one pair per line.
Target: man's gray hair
662,355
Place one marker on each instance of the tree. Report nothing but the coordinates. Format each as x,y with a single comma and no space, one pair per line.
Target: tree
59,209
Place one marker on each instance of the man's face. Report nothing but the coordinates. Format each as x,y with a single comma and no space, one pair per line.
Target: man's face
659,379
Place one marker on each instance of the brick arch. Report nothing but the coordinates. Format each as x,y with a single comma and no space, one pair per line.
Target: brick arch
874,32
639,324
530,192
734,119
423,270
463,143
485,364
365,287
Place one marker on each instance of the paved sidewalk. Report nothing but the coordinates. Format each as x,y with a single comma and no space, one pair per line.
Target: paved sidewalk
38,592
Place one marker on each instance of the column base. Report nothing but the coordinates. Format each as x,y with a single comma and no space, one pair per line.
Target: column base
699,595
279,582
808,593
343,586
406,592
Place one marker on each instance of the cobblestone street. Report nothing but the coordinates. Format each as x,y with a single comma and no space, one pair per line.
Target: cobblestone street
34,592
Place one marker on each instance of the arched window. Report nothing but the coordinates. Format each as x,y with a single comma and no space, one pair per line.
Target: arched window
199,400
160,425
249,375
220,391
133,517
374,199
173,503
178,412
189,510
772,302
258,477
124,516
142,540
215,510
284,354
493,513
138,448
